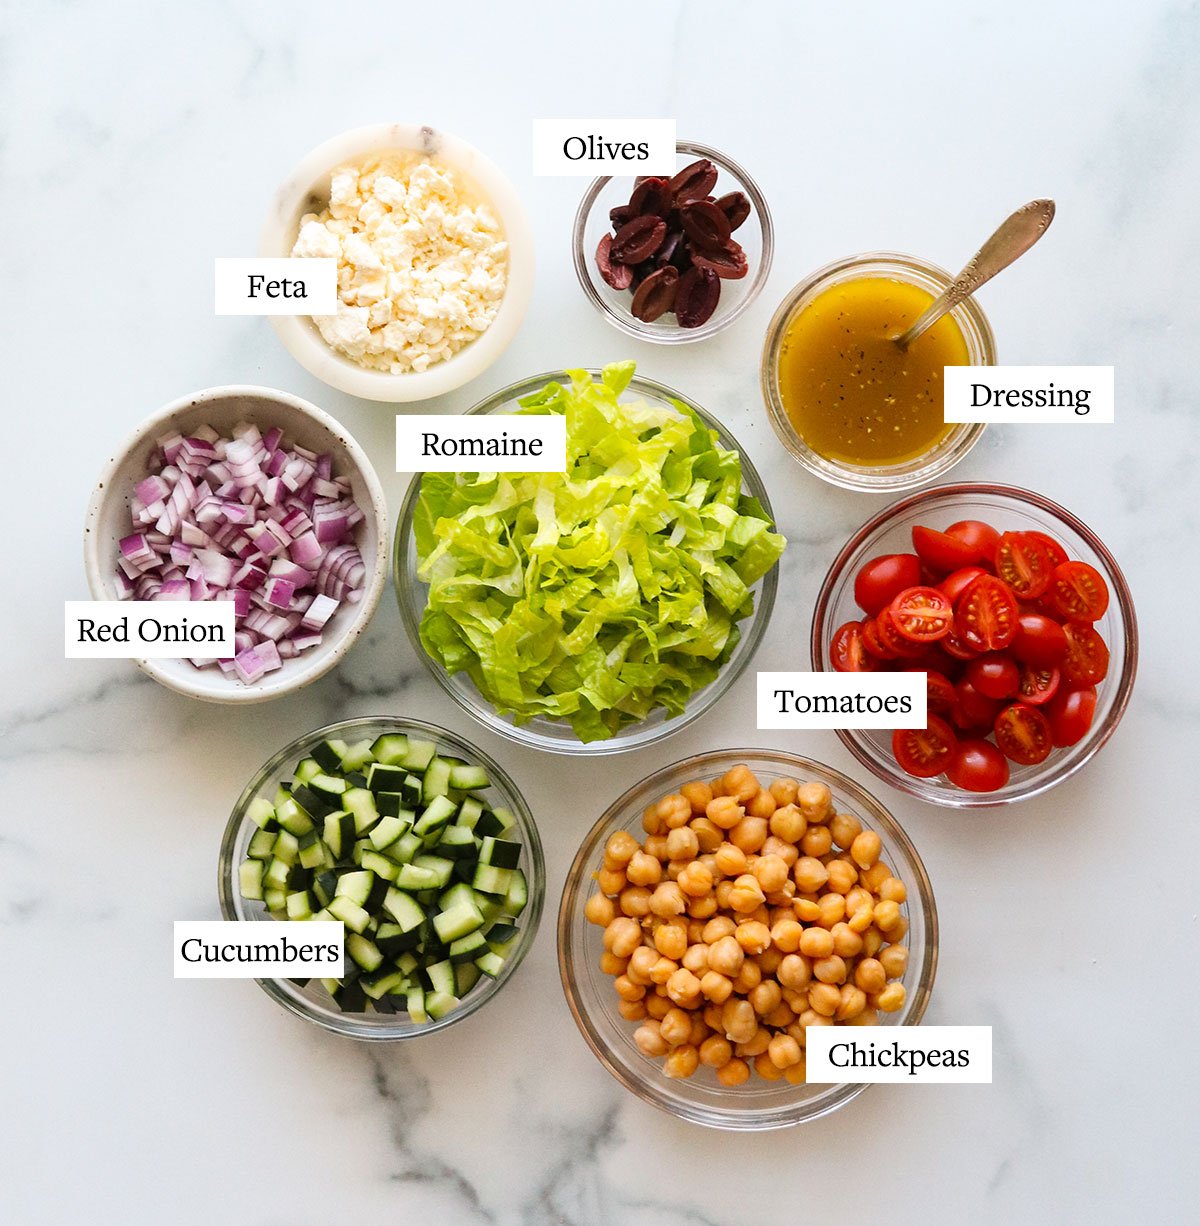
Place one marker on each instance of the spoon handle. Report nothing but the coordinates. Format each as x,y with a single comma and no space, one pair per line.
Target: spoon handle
1014,236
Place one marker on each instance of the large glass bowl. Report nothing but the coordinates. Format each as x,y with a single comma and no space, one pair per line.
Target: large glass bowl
701,1099
756,235
1006,508
556,736
313,1003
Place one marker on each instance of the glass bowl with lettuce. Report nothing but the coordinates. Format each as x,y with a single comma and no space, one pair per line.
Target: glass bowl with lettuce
606,607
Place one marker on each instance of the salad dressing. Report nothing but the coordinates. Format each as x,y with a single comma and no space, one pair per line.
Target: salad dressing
851,393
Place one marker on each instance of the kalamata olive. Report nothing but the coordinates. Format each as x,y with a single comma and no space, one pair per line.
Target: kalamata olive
736,207
705,224
656,295
696,296
727,261
619,276
638,239
652,196
693,182
620,214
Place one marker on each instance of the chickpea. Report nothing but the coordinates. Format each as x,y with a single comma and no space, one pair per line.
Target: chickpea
784,791
740,783
766,998
708,836
875,876
891,998
621,845
749,834
806,909
817,841
746,895
767,1069
814,800
816,942
684,988
716,1051
725,956
771,872
682,1062
700,1030
797,1074
854,1001
600,910
644,869
670,939
667,900
627,989
731,861
842,876
810,1017
648,1037
716,987
722,893
809,873
675,1027
870,976
897,931
846,942
858,897
712,1016
887,915
641,962
748,978
695,931
861,920
756,1044
832,909
753,936
695,959
610,964
657,1007
794,972
868,1017
786,934
784,1051
893,890
894,960
873,942
788,823
724,812
824,998
682,843
611,865
769,960
716,928
702,908
610,881
698,794
632,1010
674,811
656,846
695,880
781,1016
762,805
651,822
634,900
845,828
738,1020
830,970
733,1073
622,936
789,853
866,848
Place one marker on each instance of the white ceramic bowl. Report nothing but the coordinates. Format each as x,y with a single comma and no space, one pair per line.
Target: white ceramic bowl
306,190
222,408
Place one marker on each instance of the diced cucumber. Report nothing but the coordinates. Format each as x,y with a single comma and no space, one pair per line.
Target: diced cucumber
490,963
415,1002
404,909
438,813
312,850
381,984
293,818
250,879
517,895
338,830
276,876
501,936
381,866
261,812
328,755
500,853
286,847
360,803
420,754
456,843
457,922
389,804
438,1004
469,812
494,822
355,886
300,905
391,749
366,953
437,780
352,915
325,886
386,831
466,976
262,844
356,756
350,997
439,866
468,948
441,977
414,877
489,880
313,804
305,770
410,791
407,847
469,778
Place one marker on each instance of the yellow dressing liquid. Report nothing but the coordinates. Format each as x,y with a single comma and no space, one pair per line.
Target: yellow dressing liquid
849,391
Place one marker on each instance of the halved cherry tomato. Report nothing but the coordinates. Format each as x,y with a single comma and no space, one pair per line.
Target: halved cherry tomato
978,766
1023,734
1078,592
977,536
848,653
1025,563
1057,552
985,616
956,647
884,577
994,675
939,691
1038,684
925,752
922,614
939,551
972,710
1040,640
1070,713
954,583
873,641
890,635
1086,661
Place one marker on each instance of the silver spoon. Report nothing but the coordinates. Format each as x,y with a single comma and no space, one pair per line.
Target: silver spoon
1014,236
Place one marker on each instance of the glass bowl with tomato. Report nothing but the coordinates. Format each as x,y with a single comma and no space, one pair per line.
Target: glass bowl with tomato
1019,616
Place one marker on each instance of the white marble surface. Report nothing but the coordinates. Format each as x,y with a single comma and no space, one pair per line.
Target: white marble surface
140,140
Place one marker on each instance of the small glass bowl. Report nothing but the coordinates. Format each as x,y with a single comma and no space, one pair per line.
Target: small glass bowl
701,1099
1007,508
556,736
891,478
312,1002
756,235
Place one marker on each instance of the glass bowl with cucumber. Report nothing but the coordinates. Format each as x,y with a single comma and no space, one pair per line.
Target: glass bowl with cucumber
419,843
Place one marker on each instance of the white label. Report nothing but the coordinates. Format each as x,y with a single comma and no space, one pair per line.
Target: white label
603,147
481,442
910,1054
149,629
1030,395
284,286
842,700
253,949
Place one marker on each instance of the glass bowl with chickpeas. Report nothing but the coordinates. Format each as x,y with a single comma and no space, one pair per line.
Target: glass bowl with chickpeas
721,907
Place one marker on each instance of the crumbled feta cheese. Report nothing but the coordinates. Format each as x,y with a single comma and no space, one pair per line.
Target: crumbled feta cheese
422,266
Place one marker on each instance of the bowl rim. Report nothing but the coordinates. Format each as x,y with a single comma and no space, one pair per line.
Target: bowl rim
754,627
846,790
1098,735
864,479
623,320
344,1024
287,681
300,336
